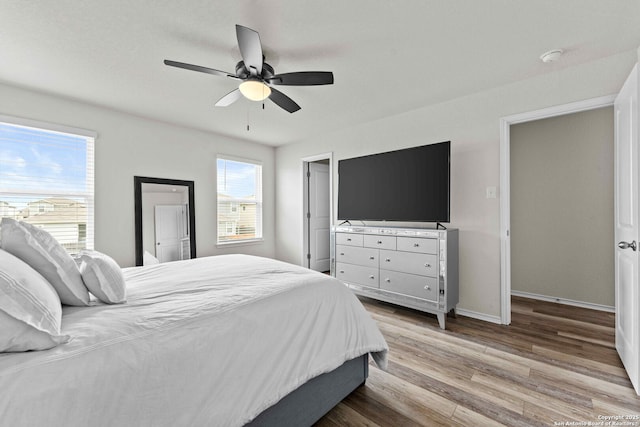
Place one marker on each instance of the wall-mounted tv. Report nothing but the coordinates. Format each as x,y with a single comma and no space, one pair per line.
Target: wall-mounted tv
403,185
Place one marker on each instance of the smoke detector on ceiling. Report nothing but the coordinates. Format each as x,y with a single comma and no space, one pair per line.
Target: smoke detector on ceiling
551,56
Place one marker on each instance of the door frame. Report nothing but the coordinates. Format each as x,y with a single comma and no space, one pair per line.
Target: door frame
305,197
505,184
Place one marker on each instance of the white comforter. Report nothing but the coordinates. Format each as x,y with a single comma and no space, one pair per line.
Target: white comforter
210,341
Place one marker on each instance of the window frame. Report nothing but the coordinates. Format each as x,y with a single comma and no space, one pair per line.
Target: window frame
90,137
259,203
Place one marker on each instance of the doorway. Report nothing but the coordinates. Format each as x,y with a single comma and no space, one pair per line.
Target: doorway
317,212
505,184
562,204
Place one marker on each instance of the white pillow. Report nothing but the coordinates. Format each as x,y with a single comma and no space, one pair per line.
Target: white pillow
102,276
44,254
30,311
148,259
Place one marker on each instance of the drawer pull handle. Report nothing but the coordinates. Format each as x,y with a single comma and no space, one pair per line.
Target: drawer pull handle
348,240
341,253
387,280
342,271
427,265
416,245
379,242
371,277
371,257
387,260
428,288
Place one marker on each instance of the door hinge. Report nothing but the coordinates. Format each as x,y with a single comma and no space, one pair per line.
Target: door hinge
308,256
308,215
308,174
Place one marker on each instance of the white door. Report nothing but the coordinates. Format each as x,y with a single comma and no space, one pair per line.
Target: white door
318,214
169,231
626,220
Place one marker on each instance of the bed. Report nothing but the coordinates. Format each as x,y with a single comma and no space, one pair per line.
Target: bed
226,340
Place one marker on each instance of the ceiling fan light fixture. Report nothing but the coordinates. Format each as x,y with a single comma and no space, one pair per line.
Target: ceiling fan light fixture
255,90
257,76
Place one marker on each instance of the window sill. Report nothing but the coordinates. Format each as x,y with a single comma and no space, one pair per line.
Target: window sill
239,243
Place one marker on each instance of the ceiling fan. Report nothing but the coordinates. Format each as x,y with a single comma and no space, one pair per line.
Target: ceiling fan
257,77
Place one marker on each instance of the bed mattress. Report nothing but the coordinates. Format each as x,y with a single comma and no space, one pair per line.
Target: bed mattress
208,341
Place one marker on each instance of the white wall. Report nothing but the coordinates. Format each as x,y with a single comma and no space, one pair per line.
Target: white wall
128,145
472,124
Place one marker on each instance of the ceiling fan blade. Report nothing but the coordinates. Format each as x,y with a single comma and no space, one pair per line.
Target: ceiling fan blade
303,78
250,49
198,68
229,98
283,101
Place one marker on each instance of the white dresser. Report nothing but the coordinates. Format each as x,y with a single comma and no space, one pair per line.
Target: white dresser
412,267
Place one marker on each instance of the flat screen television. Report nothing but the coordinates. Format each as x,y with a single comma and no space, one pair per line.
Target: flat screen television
410,185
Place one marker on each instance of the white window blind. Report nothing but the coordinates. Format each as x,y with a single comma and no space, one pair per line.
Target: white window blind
47,179
239,200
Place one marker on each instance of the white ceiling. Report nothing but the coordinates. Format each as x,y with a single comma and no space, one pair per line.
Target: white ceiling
387,57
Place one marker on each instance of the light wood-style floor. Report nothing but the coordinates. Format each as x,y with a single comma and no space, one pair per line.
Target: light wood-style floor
554,365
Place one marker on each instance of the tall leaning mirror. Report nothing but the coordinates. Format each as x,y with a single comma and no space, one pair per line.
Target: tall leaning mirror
164,220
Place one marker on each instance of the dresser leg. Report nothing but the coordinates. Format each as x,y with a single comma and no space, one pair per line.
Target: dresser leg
441,317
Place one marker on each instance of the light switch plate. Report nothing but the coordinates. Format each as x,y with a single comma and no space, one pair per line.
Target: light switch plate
492,192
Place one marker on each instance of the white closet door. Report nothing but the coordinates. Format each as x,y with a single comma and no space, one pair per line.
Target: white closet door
626,218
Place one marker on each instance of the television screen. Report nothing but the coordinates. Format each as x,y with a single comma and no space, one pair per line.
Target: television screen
403,185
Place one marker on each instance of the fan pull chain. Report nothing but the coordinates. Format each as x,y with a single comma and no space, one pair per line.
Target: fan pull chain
249,116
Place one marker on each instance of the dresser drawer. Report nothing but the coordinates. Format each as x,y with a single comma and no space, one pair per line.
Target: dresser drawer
380,242
367,276
349,239
410,284
408,262
414,244
354,255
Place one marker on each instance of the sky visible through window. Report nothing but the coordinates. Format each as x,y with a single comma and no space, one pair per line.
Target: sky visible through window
236,179
40,163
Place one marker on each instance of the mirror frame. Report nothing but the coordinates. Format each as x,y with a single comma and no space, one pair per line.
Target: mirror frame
137,194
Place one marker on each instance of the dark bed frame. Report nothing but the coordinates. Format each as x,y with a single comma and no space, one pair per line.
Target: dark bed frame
313,399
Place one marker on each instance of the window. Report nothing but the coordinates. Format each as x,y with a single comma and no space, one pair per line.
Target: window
46,179
239,186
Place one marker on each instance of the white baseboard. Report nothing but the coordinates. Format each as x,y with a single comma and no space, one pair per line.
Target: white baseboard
574,303
479,316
